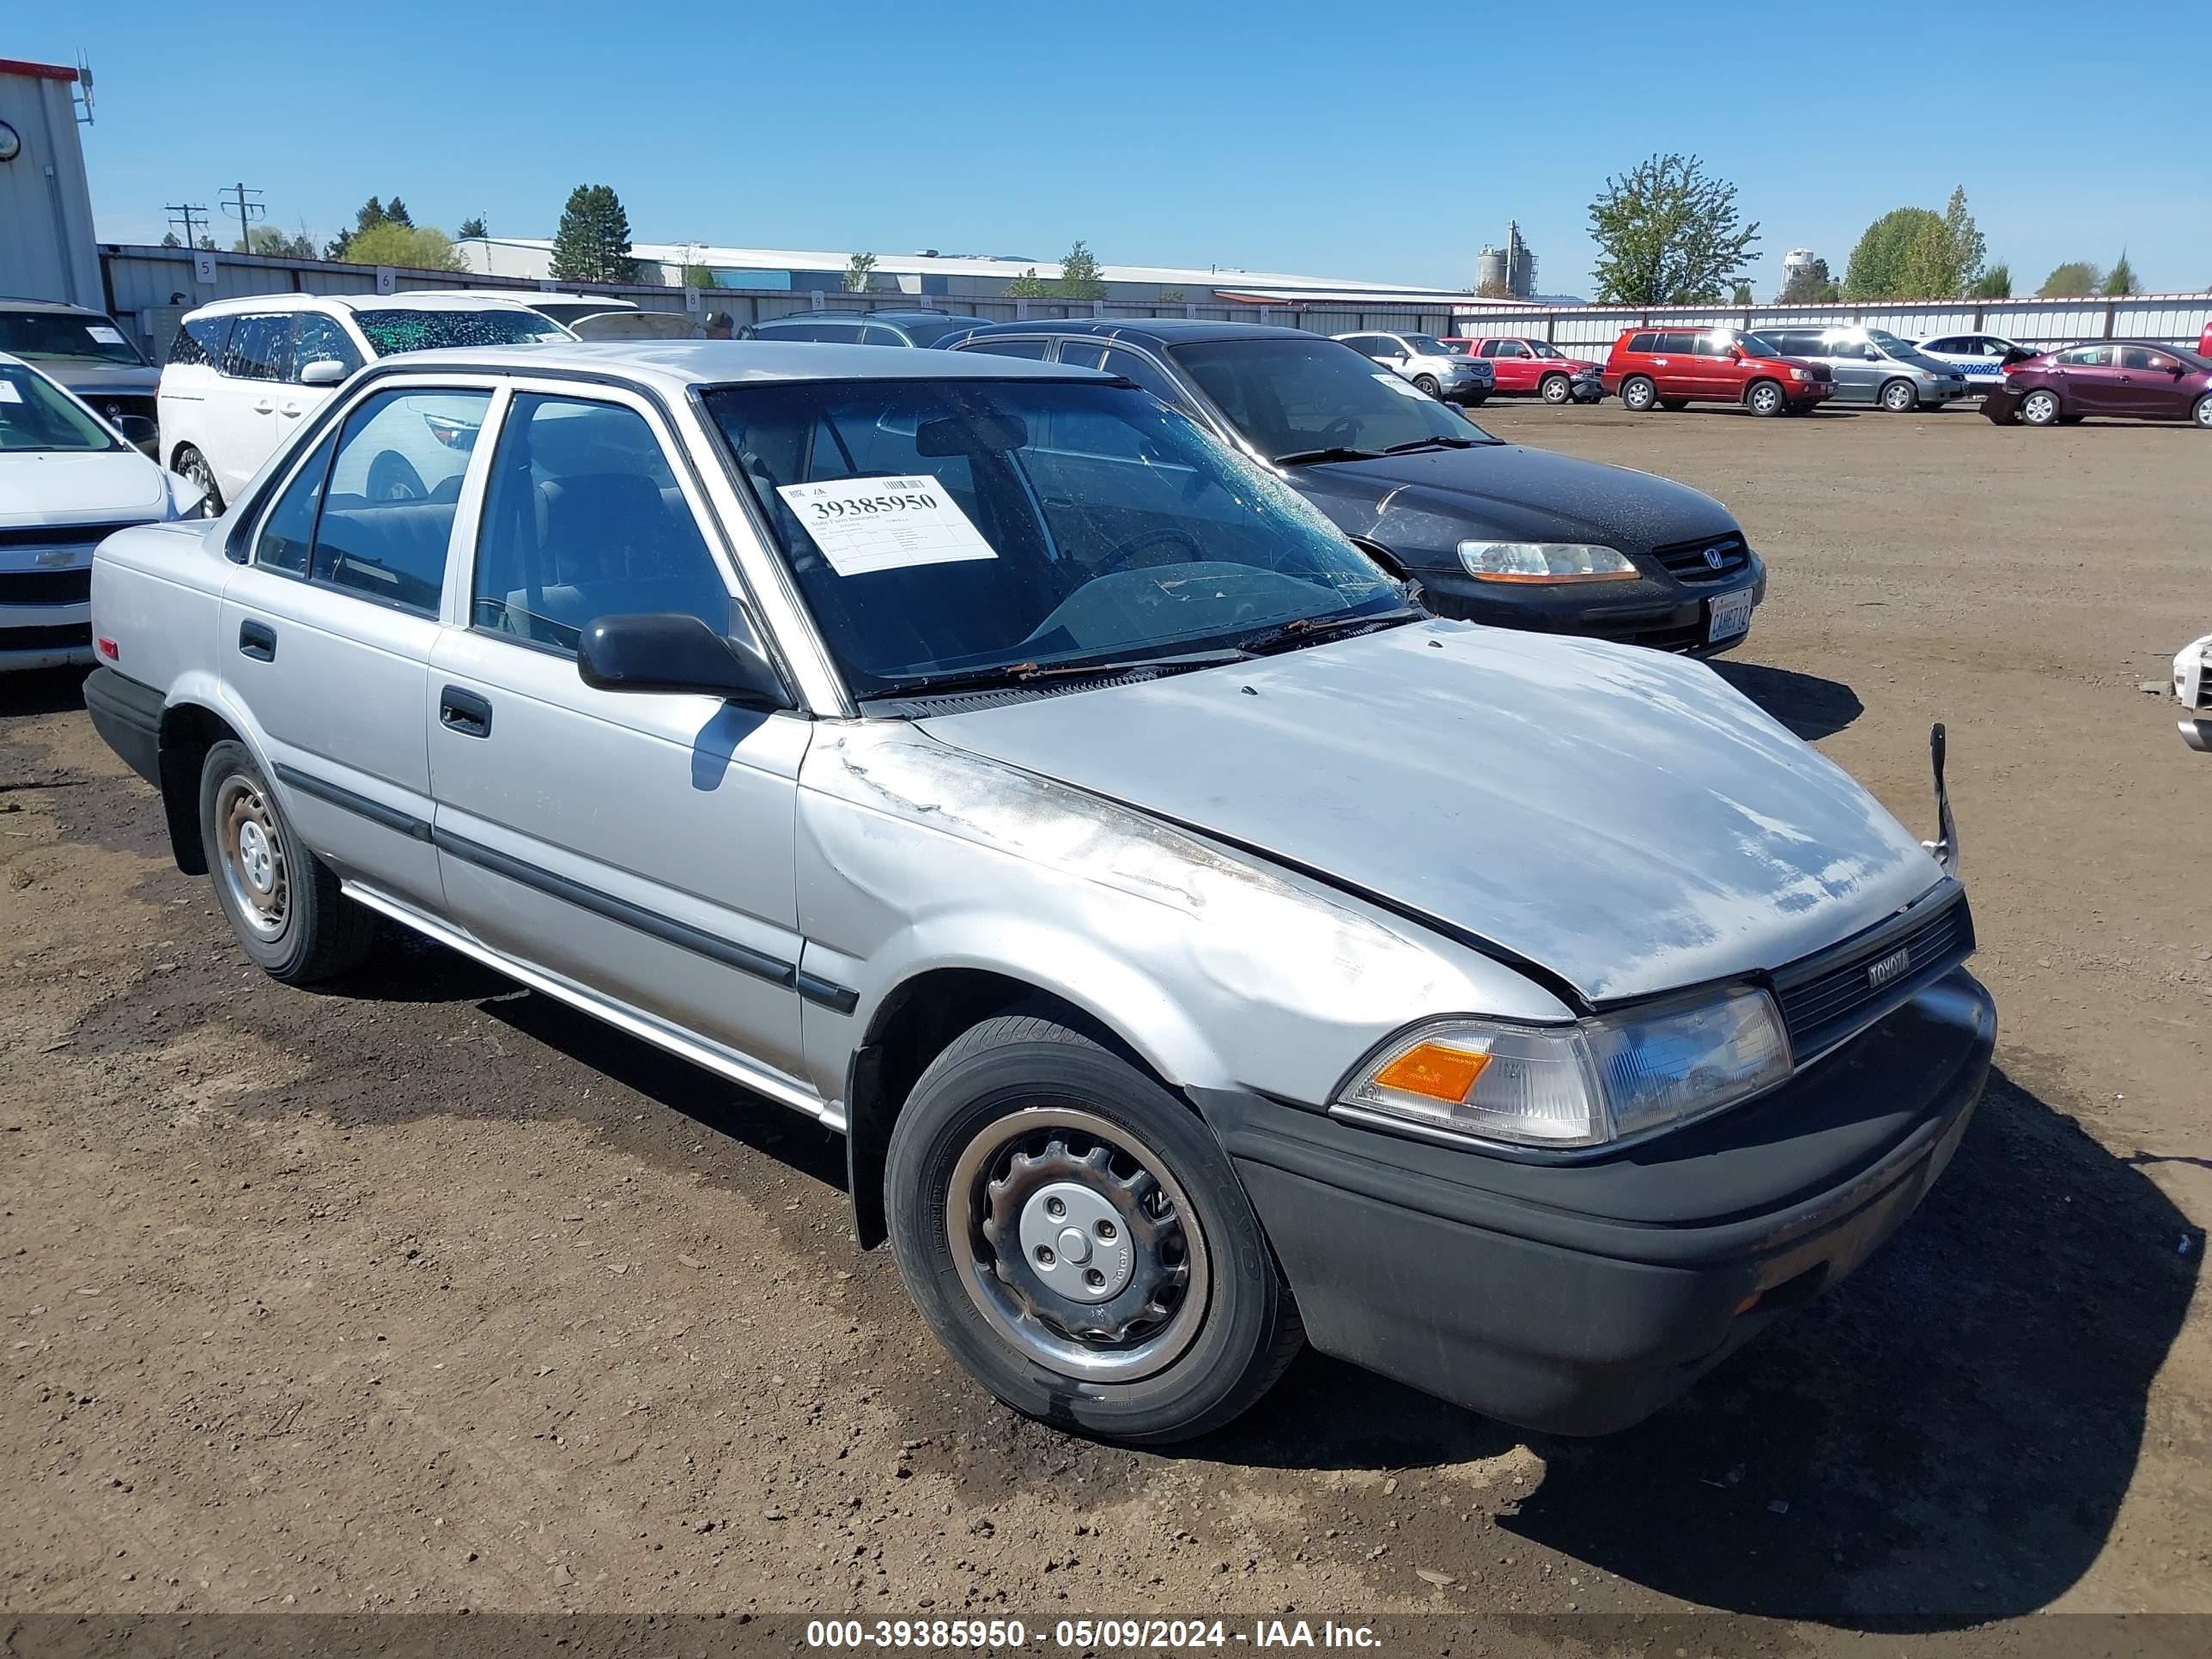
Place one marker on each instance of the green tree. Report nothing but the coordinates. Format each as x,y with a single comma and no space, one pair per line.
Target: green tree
698,276
396,211
593,242
2075,276
1994,283
1877,268
1742,296
473,226
1809,285
1028,286
860,273
1171,296
169,239
1079,278
269,241
411,247
2120,281
367,217
1668,233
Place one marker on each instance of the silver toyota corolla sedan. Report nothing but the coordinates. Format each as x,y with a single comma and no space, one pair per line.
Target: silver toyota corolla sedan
1201,949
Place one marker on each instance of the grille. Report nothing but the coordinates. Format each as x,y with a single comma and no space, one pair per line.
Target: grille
1686,637
1827,997
55,535
2205,684
68,637
113,405
45,587
1686,561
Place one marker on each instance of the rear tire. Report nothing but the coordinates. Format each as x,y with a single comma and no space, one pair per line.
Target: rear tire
1025,1129
1555,389
191,465
1899,397
1673,406
2040,408
1764,399
281,899
1637,392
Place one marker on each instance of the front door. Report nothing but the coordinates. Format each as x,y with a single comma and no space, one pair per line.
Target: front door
638,845
2146,386
327,633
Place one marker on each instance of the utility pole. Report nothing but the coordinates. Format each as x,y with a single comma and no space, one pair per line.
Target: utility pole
247,211
193,218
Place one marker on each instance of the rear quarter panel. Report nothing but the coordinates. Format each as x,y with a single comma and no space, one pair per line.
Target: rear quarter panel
156,593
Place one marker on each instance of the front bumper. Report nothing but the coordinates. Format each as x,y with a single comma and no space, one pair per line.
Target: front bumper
1462,388
1653,611
1580,1297
44,636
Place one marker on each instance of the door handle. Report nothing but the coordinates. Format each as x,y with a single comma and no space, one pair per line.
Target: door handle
264,407
463,712
258,641
292,409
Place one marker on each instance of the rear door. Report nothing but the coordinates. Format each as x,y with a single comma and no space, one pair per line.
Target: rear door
638,845
326,634
2088,380
1672,365
243,428
1858,367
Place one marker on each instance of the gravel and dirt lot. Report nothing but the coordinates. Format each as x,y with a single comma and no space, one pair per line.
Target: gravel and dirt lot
429,1294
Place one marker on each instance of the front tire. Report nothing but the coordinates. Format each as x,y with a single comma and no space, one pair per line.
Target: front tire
2040,408
191,465
1637,392
1426,384
1899,397
1764,399
281,899
1476,399
2201,414
1556,389
1076,1237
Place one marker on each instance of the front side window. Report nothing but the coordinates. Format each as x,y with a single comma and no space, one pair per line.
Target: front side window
1425,345
67,336
1511,348
2144,357
1299,399
420,328
387,511
582,518
317,339
288,534
1714,344
1541,349
260,349
958,531
1136,365
35,415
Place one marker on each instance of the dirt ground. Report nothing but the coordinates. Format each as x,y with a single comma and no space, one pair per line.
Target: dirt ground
427,1294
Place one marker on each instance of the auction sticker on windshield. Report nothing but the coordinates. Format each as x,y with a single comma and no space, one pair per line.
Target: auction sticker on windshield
865,525
1403,388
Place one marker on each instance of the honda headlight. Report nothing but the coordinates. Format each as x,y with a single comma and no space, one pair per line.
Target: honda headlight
1584,1085
1544,562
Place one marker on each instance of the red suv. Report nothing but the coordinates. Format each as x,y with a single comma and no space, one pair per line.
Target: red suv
1676,367
1530,368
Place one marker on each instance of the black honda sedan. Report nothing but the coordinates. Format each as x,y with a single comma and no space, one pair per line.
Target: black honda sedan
1494,532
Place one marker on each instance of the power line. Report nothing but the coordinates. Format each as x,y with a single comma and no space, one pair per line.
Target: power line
193,218
235,200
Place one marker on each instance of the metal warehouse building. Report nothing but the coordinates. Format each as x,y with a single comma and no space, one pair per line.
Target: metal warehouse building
46,246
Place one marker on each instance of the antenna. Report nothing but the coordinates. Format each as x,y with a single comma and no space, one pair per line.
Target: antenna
81,94
192,217
247,211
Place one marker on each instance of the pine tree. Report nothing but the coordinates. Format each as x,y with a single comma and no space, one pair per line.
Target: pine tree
473,226
593,242
1079,278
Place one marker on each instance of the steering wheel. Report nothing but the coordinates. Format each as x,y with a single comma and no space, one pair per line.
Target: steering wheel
1122,552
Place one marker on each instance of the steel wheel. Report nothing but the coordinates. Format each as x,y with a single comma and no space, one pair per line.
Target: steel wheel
1555,389
252,856
1078,1245
2039,408
1899,397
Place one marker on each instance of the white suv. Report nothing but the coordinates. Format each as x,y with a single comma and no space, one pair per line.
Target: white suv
243,373
1430,364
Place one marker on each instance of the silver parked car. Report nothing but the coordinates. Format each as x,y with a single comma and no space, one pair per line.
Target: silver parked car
1872,366
1433,367
1200,950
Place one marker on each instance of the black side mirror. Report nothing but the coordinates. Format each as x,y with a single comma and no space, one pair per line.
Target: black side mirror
138,429
674,651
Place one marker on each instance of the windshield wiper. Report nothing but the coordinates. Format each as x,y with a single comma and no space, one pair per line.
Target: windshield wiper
1333,452
1308,627
1026,673
1437,442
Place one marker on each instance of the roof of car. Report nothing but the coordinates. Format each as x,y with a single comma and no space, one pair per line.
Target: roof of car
675,365
1158,330
421,299
13,303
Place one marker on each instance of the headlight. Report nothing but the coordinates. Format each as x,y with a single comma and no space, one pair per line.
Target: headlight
186,499
1585,1085
1544,562
1799,374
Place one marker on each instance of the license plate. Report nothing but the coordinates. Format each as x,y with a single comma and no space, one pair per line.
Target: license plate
1731,616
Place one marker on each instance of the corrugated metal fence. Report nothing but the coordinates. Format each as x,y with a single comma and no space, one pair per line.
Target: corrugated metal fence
149,288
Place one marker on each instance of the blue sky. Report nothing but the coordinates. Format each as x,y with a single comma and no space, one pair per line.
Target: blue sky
1388,143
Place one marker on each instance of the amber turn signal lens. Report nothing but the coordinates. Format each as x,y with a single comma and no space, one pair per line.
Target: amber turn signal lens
1433,1070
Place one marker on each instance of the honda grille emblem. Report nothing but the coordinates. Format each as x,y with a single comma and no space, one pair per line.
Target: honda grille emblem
1715,557
1889,968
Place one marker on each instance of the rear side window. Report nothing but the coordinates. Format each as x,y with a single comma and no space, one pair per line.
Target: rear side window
201,340
1033,349
387,513
1643,343
877,334
1953,345
584,519
2087,358
1081,353
260,349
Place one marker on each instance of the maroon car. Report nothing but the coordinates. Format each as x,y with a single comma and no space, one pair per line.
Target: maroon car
2136,380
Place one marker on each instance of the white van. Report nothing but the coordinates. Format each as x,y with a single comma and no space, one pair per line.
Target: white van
243,374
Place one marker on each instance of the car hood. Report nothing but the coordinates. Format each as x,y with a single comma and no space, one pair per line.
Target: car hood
90,381
1421,505
69,487
1621,818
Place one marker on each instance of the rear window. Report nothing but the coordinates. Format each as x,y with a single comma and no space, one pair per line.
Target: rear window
419,329
1643,343
66,337
201,340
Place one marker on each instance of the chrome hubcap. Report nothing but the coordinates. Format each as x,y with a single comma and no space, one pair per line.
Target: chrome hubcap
1078,1245
2040,407
253,865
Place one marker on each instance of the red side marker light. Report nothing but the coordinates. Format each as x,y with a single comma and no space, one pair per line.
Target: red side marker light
109,649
